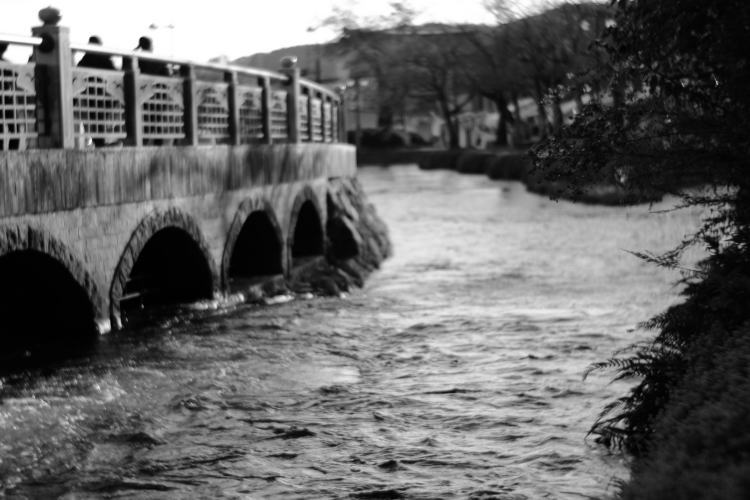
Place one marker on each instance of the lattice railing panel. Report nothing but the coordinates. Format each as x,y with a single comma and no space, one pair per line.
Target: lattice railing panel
99,104
213,112
163,108
279,118
317,120
251,113
327,123
18,109
304,118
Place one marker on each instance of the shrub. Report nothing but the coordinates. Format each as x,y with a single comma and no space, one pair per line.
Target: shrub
473,162
439,159
512,166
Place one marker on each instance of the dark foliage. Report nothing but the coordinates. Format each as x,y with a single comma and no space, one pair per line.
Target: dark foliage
679,75
386,138
683,69
701,439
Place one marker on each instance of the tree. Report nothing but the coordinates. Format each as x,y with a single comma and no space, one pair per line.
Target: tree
368,45
414,67
373,57
445,66
683,71
493,70
432,59
555,48
529,53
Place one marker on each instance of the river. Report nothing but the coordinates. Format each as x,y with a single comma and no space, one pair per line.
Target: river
455,373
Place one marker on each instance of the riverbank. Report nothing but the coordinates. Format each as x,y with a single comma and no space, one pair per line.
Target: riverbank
507,164
686,420
700,441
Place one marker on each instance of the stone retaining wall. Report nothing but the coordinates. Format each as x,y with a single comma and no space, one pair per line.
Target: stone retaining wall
95,210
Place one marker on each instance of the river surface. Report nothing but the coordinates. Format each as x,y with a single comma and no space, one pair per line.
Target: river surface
455,373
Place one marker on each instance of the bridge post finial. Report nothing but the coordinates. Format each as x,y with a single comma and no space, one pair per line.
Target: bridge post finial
289,68
50,16
54,80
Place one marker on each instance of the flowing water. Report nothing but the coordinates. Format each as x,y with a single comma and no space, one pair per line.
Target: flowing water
455,373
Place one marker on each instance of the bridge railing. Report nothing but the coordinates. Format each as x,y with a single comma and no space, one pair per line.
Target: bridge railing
19,116
52,103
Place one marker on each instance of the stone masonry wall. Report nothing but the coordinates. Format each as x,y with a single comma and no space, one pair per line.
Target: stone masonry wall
85,208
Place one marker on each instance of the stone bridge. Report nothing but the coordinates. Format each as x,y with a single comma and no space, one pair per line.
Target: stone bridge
122,190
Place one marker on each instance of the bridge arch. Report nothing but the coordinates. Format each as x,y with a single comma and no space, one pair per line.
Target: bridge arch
166,260
255,243
47,294
306,235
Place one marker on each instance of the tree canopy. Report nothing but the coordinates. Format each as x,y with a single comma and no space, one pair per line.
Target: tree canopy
683,67
443,66
681,71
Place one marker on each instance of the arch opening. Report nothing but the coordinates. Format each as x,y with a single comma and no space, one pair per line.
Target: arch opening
257,251
308,234
46,314
171,269
340,234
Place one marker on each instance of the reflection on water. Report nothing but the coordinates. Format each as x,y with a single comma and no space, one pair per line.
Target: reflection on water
455,373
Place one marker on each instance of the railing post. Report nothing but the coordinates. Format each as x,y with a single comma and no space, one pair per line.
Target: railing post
341,110
234,107
187,71
323,100
289,67
54,80
266,110
133,111
310,129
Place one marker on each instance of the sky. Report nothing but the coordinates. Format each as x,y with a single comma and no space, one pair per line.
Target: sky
200,30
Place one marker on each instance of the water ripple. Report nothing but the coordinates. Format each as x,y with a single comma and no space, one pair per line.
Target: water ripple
455,373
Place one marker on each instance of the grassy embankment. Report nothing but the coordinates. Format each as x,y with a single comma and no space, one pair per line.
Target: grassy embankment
686,421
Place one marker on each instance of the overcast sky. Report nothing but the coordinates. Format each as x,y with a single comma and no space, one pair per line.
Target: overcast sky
202,30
